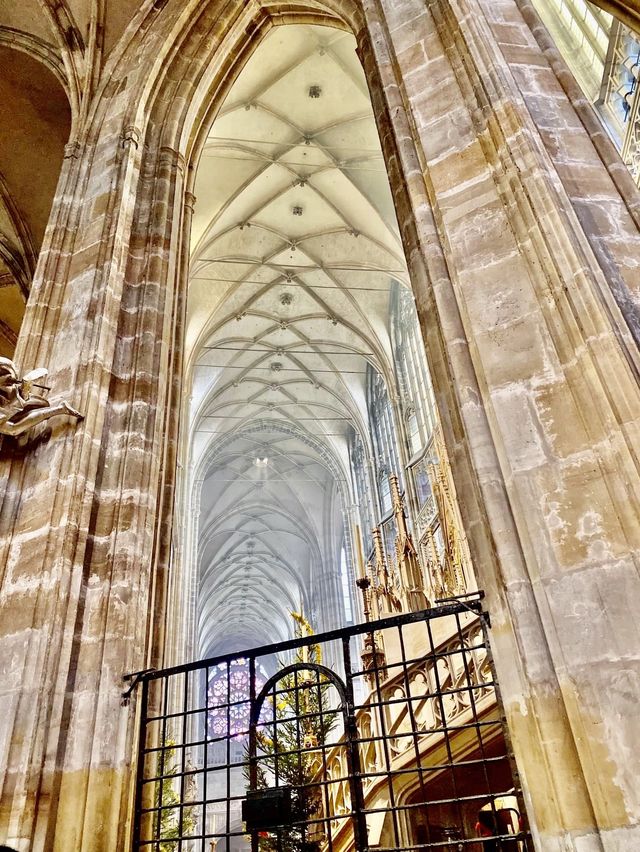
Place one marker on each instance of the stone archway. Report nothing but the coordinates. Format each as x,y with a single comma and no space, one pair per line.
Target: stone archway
36,124
486,227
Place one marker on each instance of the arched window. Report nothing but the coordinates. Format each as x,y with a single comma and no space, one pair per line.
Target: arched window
361,485
228,694
384,435
411,365
413,430
384,487
422,482
347,586
604,56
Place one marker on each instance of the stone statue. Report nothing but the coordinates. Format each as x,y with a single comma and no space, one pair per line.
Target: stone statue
20,408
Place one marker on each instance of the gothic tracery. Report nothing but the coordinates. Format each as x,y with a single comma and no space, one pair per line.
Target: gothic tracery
214,217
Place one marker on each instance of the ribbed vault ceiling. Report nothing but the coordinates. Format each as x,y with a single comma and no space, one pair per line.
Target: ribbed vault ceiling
49,48
295,246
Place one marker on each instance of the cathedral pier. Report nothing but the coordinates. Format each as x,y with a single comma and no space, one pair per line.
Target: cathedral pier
260,436
522,250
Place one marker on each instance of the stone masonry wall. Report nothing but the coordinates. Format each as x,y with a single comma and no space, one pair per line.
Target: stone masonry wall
524,252
537,350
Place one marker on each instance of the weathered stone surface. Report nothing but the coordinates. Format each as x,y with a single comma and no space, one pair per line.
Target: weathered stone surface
524,258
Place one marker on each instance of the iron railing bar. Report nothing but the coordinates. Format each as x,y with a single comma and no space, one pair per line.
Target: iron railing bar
506,734
478,729
354,767
165,703
387,684
430,658
361,740
476,797
465,841
382,810
215,836
142,737
432,768
205,762
185,699
349,814
321,747
443,718
414,727
228,768
385,741
298,743
252,745
483,685
178,714
316,639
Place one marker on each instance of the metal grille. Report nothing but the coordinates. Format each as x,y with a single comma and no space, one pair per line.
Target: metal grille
388,735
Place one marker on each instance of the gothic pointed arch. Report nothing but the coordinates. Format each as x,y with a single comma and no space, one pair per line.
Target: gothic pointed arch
34,130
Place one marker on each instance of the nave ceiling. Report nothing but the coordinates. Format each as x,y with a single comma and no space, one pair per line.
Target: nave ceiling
295,249
49,48
286,310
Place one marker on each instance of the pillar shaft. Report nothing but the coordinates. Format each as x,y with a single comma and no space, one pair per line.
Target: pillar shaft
540,368
528,301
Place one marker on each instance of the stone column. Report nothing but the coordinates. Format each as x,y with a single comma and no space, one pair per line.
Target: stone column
70,327
534,373
536,379
81,506
181,641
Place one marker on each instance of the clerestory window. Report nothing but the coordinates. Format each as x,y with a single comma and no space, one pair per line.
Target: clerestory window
604,56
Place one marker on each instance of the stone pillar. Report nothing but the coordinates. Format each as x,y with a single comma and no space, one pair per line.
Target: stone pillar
182,540
534,372
82,509
536,379
70,327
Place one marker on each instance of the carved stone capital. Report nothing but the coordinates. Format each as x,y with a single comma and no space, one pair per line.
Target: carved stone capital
190,201
171,158
130,136
72,150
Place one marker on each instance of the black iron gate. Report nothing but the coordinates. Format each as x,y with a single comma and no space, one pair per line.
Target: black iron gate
386,735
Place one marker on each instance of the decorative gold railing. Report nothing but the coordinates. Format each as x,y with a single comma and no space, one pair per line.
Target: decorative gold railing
404,717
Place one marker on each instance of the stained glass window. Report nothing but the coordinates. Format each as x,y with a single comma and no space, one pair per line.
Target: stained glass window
384,488
411,363
347,585
413,431
423,484
228,695
604,56
384,435
361,486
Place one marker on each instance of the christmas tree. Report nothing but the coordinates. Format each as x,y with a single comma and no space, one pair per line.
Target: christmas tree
168,827
290,738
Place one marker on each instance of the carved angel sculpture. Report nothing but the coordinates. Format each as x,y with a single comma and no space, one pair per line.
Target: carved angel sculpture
20,408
